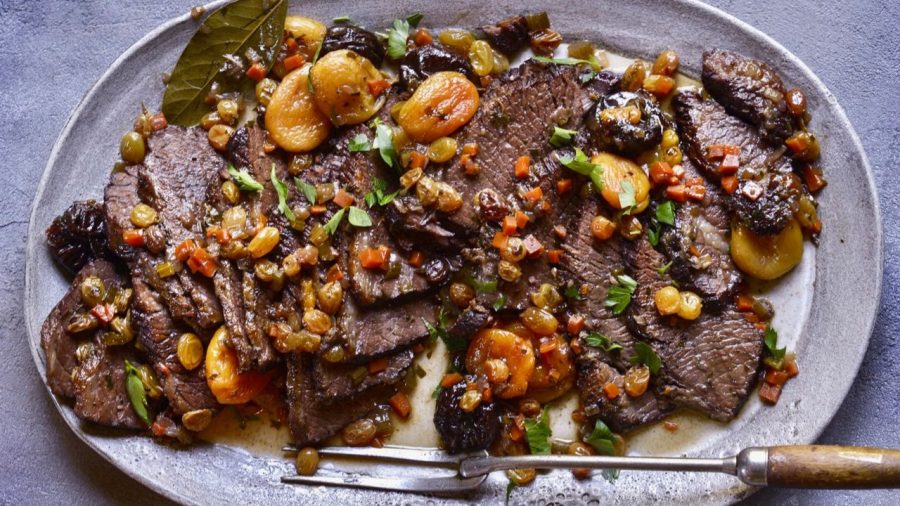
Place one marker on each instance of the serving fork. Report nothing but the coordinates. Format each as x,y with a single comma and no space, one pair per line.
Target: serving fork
800,466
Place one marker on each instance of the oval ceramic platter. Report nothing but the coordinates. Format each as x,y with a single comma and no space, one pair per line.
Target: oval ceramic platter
825,307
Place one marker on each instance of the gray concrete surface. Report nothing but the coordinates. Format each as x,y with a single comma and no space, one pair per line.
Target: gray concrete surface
51,52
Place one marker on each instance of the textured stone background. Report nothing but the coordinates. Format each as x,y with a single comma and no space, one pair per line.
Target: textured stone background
51,53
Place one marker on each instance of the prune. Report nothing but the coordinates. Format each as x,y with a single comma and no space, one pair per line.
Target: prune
423,61
508,35
461,431
437,271
78,235
626,122
359,40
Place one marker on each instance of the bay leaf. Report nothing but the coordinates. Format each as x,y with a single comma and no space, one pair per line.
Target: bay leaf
227,33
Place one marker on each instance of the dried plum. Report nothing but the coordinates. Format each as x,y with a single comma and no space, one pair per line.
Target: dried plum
78,235
461,431
423,61
359,40
626,122
508,35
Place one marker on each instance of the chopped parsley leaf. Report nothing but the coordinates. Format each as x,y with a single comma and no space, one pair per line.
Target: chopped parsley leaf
281,189
663,269
244,180
644,354
627,197
500,302
561,61
454,344
398,34
582,165
359,217
377,197
342,19
335,221
601,438
653,235
537,433
574,292
587,76
665,213
308,190
384,142
437,391
775,355
561,136
618,297
359,143
598,340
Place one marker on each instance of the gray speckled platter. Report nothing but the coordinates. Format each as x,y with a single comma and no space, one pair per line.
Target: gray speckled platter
826,307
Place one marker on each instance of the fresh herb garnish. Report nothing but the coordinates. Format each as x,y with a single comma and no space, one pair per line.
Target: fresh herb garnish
359,217
359,143
308,190
342,19
332,225
244,180
601,438
437,391
509,487
665,213
618,297
561,136
377,197
398,34
582,165
537,433
663,269
500,302
439,331
587,76
561,61
774,354
574,292
281,189
231,30
598,340
653,235
489,286
644,354
136,393
627,197
384,142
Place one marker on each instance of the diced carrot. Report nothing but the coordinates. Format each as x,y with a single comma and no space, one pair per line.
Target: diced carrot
418,348
533,195
751,317
292,62
451,379
471,169
548,346
342,198
729,164
104,312
670,426
417,160
730,184
744,302
717,151
509,225
775,377
521,219
500,240
334,273
204,263
611,390
291,45
815,181
554,255
487,395
316,210
220,234
769,393
533,247
470,149
694,181
378,86
133,237
523,164
676,193
798,143
696,192
575,324
564,186
423,37
545,206
184,250
377,365
375,258
659,85
661,172
416,259
678,171
790,367
256,72
515,434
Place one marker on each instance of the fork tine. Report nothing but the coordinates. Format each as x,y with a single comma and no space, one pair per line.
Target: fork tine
393,452
434,485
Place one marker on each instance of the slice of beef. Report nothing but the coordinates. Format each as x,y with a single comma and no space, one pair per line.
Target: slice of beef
367,334
158,334
749,89
698,246
78,236
767,187
335,381
100,392
173,180
310,420
57,343
709,364
624,412
410,222
423,61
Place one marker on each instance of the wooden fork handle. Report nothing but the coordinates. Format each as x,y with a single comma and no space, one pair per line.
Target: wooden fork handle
821,466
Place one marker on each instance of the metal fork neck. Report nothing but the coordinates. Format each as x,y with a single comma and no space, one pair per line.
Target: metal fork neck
477,466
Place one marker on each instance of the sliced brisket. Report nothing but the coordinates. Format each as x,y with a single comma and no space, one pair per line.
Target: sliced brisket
336,382
100,392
